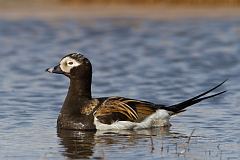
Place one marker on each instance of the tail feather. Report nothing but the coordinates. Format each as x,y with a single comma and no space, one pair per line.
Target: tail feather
177,108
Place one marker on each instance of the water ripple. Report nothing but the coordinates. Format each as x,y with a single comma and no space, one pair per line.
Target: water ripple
160,61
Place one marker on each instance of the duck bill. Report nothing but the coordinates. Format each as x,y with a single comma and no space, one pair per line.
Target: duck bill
55,69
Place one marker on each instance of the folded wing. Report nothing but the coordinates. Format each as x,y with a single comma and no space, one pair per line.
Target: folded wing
123,109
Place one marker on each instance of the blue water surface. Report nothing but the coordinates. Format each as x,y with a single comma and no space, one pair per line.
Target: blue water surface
159,61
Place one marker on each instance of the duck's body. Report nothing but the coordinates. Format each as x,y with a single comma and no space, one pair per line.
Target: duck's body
112,113
82,112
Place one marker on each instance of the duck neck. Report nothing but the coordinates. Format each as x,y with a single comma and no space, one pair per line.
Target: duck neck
80,88
79,92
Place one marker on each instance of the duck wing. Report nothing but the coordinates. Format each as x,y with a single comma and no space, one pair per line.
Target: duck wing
114,109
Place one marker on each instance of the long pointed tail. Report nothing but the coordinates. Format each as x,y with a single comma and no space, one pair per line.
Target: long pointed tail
177,108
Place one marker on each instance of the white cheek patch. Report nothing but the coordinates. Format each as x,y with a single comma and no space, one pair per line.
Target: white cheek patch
66,66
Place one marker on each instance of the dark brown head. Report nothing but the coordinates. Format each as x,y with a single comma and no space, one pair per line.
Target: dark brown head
74,66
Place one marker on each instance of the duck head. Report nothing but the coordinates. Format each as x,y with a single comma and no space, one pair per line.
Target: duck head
74,66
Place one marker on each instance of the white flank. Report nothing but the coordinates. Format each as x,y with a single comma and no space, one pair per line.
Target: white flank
158,119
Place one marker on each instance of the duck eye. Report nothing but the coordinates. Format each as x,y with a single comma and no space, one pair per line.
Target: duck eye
70,63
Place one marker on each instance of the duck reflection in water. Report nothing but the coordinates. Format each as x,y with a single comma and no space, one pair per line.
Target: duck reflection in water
77,144
88,144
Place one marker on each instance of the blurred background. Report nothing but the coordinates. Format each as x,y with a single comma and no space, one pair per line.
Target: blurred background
164,9
163,51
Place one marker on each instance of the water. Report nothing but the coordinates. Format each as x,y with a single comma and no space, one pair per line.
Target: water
159,61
